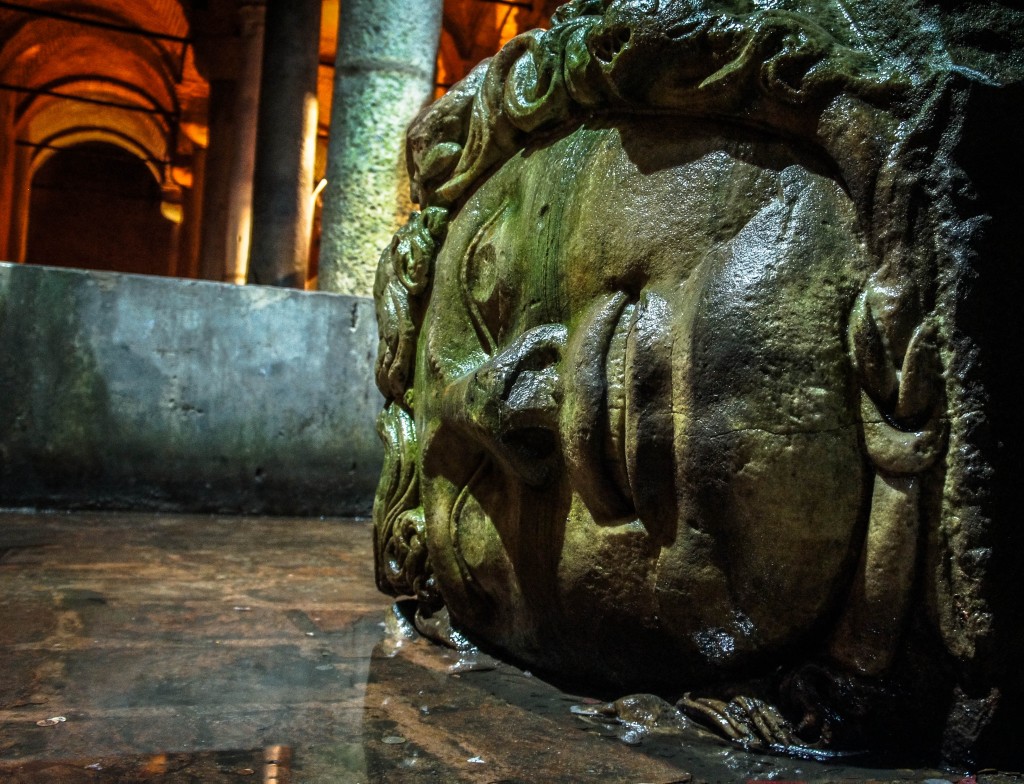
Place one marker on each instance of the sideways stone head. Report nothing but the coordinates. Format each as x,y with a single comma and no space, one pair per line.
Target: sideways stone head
666,357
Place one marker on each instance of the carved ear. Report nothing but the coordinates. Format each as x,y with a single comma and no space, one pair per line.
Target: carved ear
902,405
921,388
872,358
902,393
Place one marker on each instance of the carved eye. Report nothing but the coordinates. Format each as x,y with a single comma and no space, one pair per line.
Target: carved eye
484,280
482,273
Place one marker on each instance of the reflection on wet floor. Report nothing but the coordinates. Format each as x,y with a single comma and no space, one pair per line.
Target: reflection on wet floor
203,649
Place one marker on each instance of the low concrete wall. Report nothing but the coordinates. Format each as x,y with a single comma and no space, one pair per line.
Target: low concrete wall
127,391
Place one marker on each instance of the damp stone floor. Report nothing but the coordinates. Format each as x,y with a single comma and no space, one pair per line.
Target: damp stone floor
163,648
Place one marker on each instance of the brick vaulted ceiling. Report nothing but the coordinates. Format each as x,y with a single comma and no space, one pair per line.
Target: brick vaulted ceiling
135,73
119,71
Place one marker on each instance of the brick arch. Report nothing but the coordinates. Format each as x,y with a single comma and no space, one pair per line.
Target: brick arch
163,16
23,33
109,207
41,55
92,53
75,136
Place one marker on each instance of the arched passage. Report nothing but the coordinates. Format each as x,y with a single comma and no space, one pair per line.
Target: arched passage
97,206
138,75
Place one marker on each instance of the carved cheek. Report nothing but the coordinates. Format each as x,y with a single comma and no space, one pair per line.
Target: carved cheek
769,457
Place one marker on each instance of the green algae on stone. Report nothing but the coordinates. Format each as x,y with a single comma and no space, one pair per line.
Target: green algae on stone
681,366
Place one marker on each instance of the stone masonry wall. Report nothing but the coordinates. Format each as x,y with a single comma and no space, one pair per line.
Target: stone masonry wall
128,391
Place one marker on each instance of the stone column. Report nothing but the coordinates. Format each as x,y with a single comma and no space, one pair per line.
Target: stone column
214,232
282,202
188,251
246,111
7,158
21,199
384,73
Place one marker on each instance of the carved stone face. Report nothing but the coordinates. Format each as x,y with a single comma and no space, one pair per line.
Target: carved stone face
638,425
692,370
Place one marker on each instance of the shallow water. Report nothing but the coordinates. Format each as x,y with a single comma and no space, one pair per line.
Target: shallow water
205,649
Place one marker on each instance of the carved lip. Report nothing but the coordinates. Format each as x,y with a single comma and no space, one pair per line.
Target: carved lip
615,407
617,429
586,424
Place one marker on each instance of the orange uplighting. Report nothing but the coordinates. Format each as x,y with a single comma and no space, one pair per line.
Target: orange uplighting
136,76
476,29
113,72
156,766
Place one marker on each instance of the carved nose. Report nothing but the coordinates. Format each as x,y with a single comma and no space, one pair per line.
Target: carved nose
511,403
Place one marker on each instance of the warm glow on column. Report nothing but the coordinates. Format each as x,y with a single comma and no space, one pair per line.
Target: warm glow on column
239,271
311,111
509,26
311,114
172,211
307,219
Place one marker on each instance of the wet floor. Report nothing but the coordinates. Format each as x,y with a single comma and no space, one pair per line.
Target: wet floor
164,648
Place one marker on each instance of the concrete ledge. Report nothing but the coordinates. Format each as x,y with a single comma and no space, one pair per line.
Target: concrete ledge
136,392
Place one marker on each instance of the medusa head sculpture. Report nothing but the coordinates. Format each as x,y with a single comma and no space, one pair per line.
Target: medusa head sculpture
677,394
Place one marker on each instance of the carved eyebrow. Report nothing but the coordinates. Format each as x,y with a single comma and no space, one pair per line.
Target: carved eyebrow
483,331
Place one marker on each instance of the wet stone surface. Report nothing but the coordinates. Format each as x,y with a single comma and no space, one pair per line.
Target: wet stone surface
205,649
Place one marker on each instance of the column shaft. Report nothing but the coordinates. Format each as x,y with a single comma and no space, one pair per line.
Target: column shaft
7,158
21,199
188,250
384,73
247,101
213,251
286,144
